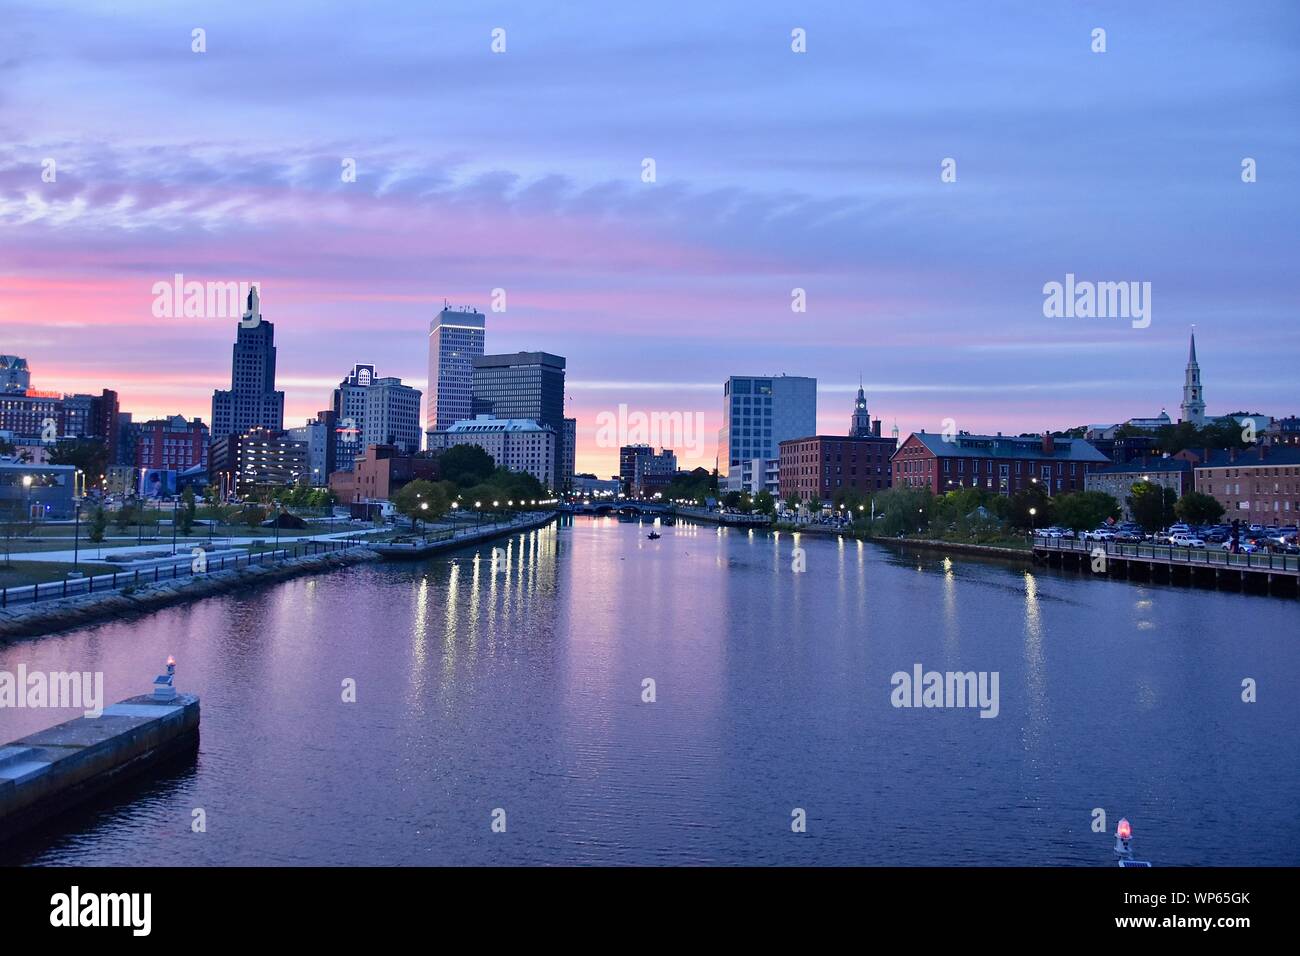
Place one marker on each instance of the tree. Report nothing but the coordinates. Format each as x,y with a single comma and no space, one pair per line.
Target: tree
124,516
88,454
764,503
422,500
731,500
253,516
792,503
98,524
1085,509
466,465
1151,505
1196,507
1032,496
187,512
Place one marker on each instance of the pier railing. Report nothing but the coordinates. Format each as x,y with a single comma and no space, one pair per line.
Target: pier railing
181,567
1169,554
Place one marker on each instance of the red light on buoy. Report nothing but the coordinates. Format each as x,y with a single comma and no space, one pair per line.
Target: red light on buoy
1124,831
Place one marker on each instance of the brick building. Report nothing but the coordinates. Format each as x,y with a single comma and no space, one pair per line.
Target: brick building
821,465
994,463
380,473
1257,486
1117,479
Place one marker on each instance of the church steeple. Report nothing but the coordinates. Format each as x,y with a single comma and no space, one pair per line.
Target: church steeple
1193,407
860,427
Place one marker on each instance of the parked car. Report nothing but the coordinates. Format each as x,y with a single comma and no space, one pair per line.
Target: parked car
1186,541
1130,537
1244,547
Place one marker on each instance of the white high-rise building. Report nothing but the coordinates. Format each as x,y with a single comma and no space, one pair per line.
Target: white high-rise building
760,412
520,444
392,415
455,339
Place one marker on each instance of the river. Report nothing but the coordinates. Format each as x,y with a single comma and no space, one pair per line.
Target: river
523,690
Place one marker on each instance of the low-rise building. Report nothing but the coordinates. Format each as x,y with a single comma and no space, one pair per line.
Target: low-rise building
1256,486
821,465
998,463
174,443
379,473
30,492
519,444
1117,479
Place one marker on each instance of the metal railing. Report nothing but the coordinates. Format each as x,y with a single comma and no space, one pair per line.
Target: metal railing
182,567
1208,557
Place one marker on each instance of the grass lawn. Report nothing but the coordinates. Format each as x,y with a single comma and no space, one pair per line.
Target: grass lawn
19,573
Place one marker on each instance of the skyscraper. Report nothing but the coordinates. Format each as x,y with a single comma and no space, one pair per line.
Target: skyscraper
760,413
1193,406
349,406
392,415
524,385
455,338
252,401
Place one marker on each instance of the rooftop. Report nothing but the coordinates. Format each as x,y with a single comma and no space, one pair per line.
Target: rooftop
963,445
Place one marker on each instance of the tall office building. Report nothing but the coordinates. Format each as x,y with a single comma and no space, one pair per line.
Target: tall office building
524,385
349,406
15,376
758,413
568,453
251,401
392,415
455,339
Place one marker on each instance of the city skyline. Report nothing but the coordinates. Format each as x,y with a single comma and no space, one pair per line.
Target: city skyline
932,291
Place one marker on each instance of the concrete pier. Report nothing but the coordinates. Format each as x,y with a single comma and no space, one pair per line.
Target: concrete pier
426,546
51,770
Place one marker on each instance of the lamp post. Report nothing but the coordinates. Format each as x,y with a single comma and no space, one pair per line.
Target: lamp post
76,536
175,511
424,506
27,496
1032,521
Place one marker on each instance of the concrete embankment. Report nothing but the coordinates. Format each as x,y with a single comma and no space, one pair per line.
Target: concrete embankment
958,547
413,550
729,520
45,617
47,772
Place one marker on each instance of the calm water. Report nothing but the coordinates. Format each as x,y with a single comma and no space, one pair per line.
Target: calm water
522,690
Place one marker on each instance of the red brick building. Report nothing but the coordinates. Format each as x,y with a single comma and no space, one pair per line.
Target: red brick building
821,465
380,473
171,444
1258,486
994,463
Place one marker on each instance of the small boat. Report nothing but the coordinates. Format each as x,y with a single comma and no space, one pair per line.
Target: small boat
654,536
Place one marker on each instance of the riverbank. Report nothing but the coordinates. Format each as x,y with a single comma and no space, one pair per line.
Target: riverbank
47,617
59,614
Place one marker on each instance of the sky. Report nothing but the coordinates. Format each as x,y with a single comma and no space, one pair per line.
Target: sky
774,170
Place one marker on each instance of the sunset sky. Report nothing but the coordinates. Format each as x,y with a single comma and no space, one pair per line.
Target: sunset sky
775,170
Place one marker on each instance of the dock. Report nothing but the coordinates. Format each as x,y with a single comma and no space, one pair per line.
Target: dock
49,771
1202,567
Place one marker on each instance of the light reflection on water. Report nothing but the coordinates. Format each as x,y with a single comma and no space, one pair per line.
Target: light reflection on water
521,688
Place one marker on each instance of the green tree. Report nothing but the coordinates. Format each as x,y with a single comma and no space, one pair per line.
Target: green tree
466,465
1085,509
792,503
764,503
88,454
252,516
732,499
422,500
1151,505
1196,507
124,517
98,524
1034,497
188,510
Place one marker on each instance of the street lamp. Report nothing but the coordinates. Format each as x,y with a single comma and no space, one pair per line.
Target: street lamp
76,536
1032,523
